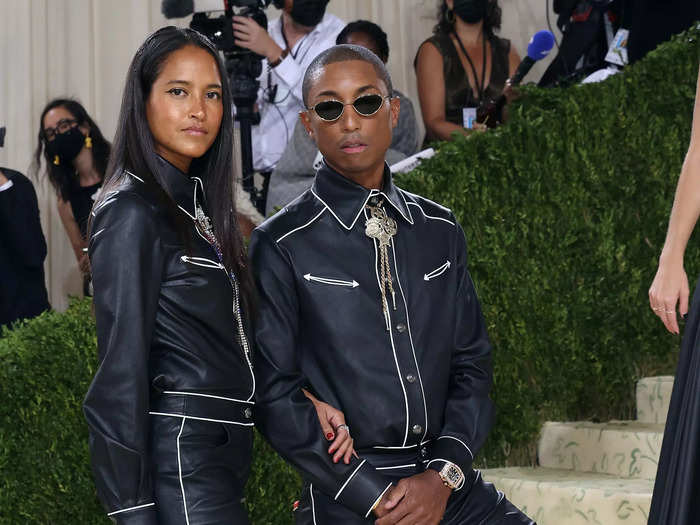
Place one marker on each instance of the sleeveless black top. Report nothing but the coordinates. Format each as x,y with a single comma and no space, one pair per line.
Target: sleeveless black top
81,200
458,92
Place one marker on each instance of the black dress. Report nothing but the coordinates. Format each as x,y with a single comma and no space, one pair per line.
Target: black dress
676,497
170,408
458,91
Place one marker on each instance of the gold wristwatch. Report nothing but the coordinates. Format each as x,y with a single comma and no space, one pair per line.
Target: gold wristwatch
452,476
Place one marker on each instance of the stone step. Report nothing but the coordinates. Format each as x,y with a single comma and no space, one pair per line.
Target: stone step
626,449
653,398
565,497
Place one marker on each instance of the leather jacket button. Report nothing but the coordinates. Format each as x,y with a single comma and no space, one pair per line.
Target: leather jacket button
401,327
248,413
417,429
423,452
411,378
373,201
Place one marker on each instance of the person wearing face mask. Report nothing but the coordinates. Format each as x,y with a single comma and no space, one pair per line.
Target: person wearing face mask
75,154
462,66
289,45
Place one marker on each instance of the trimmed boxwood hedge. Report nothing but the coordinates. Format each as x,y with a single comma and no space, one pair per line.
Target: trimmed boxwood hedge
565,210
46,366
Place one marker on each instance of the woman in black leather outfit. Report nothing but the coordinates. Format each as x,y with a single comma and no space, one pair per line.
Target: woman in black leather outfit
170,410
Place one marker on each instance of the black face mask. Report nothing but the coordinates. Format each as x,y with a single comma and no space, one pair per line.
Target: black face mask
471,11
66,146
308,12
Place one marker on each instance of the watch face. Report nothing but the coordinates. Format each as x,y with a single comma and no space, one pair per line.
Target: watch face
452,475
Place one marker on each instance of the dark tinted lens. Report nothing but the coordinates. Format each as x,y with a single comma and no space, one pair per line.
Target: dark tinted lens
329,110
368,104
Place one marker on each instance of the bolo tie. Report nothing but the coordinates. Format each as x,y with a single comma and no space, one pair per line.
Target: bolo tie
381,227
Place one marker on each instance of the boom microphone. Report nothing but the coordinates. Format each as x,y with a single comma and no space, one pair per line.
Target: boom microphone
539,47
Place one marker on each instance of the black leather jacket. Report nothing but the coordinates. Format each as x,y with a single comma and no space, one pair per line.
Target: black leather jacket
164,326
321,326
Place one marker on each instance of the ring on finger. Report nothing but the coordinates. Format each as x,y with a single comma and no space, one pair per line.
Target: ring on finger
658,308
344,427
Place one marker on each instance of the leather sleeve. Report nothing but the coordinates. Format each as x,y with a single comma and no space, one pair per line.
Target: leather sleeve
469,410
127,264
283,414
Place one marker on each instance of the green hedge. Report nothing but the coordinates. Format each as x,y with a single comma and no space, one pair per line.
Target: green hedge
565,210
46,366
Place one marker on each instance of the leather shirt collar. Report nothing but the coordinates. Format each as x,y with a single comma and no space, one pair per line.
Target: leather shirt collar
345,199
186,191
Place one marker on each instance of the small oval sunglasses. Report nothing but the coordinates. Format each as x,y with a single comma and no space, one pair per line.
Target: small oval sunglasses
365,105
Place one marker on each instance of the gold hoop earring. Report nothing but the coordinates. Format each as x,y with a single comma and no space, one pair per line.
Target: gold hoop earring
88,142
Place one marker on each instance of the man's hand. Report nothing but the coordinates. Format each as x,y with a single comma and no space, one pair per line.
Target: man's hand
3,179
252,36
419,499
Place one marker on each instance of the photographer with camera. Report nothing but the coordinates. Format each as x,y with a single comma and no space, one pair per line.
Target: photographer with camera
289,45
22,248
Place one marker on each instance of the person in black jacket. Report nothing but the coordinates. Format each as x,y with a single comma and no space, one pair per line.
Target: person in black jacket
22,250
365,299
170,409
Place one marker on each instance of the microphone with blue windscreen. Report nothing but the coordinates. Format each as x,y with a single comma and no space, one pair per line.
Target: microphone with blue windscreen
539,47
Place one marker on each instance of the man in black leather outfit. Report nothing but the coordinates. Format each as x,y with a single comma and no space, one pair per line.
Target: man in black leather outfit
365,300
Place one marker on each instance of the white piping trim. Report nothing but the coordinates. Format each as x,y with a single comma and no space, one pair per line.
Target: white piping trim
131,508
378,499
333,282
406,447
406,204
391,337
431,216
187,213
349,478
313,505
197,261
202,419
98,232
105,202
410,221
459,440
410,338
437,272
208,395
362,208
179,471
397,466
137,178
301,227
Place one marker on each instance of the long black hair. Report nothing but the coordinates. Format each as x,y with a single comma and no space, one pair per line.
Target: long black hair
134,148
62,177
446,22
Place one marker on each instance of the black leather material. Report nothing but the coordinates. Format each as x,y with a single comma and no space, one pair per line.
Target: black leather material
165,325
321,326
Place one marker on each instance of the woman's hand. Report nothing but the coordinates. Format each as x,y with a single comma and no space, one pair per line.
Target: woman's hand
334,428
670,287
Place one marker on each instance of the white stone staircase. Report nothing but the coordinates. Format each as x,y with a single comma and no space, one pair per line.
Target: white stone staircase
593,473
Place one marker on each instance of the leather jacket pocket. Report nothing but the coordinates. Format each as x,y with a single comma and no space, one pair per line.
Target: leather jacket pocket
437,272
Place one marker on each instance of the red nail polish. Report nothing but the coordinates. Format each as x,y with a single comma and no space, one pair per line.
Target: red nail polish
329,435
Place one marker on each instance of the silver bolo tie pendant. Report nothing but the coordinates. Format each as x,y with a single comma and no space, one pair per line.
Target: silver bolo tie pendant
381,227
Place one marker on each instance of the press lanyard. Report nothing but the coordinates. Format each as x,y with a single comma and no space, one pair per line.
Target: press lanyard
480,88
